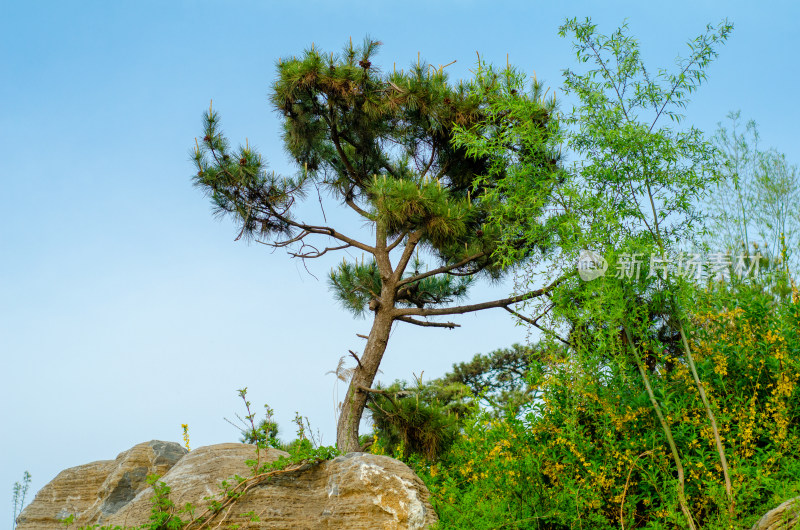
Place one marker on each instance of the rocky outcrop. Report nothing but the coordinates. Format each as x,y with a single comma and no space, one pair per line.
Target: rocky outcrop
355,491
92,492
198,475
784,517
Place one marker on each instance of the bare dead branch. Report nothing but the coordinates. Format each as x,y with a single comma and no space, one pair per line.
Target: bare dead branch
397,241
353,354
440,270
319,197
287,242
533,322
430,162
363,213
323,230
308,271
448,325
315,253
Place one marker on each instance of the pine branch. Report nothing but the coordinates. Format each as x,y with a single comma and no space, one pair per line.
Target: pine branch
337,144
408,251
324,230
354,356
363,213
397,241
505,302
315,253
440,270
448,325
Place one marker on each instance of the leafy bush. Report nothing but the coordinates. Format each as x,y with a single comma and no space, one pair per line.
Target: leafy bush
590,451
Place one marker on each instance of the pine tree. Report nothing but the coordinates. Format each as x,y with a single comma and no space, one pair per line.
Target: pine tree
381,144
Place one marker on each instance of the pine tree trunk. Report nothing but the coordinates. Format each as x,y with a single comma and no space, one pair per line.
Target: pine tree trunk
364,375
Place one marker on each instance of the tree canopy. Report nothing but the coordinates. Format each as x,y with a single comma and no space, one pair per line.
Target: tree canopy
381,145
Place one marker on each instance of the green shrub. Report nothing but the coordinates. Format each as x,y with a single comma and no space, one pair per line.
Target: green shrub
590,452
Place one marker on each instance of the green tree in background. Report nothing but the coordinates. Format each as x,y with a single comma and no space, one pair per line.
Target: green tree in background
380,145
631,196
757,201
424,419
501,378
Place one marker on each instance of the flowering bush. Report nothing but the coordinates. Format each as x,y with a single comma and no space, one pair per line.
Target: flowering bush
590,452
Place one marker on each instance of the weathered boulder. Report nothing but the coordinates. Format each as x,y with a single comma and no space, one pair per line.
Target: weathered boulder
92,492
355,491
784,517
196,476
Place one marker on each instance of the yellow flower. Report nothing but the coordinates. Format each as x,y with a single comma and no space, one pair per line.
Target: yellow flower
185,427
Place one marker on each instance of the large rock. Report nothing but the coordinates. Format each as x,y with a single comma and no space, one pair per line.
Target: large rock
196,476
784,517
92,492
355,491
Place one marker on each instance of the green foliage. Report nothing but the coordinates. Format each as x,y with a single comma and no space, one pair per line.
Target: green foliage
163,515
591,450
355,284
303,450
423,420
265,430
638,182
631,191
648,178
653,401
520,141
265,433
500,378
628,429
382,145
340,115
755,206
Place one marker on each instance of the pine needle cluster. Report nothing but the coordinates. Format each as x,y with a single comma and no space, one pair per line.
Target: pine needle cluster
423,421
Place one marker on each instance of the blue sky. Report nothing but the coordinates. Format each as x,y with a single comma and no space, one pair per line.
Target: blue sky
126,309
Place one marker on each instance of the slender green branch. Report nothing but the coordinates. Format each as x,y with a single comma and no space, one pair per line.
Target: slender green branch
664,427
713,420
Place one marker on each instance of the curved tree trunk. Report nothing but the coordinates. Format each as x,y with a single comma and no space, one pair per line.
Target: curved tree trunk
356,399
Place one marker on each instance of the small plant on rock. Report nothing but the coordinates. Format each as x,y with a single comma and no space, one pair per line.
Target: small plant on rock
20,490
